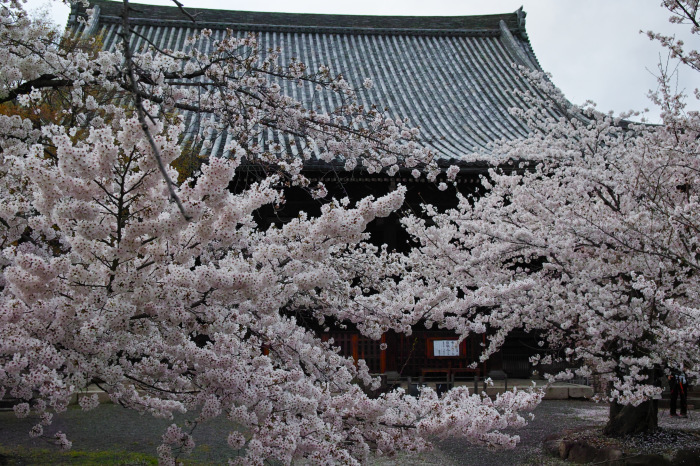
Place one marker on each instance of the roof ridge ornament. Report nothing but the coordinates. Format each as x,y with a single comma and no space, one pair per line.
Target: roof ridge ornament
521,58
521,21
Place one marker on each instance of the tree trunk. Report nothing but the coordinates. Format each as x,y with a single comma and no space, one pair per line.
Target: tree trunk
627,419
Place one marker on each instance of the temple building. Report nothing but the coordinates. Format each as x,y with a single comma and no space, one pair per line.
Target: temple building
454,77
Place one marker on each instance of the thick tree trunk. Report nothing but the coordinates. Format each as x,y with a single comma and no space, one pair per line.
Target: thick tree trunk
627,420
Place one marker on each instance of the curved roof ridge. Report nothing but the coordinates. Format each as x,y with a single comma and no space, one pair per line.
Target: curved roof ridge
474,25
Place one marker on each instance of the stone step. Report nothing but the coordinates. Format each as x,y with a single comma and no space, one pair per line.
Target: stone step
556,391
6,404
691,394
666,403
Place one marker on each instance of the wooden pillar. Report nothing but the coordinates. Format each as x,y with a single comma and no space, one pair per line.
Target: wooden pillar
382,355
353,344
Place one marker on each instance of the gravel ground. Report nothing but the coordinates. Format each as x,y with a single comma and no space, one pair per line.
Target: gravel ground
554,417
551,416
112,428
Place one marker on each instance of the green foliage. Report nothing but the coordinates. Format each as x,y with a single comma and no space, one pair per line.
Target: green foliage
23,455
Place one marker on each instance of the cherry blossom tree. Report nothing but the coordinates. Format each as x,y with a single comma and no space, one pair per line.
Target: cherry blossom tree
170,297
586,234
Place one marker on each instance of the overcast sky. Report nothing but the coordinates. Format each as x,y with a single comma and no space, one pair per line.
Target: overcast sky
592,48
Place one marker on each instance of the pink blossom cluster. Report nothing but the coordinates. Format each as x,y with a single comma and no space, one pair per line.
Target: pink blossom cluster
104,281
585,234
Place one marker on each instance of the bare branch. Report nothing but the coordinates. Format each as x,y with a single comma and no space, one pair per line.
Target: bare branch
141,111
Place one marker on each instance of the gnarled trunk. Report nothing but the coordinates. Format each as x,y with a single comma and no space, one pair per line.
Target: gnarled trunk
627,419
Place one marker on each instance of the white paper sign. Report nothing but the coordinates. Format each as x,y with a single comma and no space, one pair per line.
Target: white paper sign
445,348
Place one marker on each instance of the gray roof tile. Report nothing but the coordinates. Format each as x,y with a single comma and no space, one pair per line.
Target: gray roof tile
452,76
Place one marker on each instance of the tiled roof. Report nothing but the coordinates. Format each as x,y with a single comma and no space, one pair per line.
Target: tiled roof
452,76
